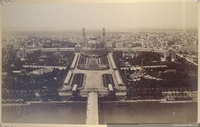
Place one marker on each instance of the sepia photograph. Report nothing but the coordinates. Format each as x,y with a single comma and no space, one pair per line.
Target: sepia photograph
99,63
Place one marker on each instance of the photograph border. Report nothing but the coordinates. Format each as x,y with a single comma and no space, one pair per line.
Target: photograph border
5,2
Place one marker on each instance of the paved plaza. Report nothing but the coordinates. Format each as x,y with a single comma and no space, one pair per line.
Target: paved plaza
93,78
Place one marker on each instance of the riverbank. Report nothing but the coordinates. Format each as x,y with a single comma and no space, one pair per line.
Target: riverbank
65,102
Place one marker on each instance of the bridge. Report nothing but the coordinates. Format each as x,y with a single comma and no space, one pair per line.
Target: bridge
92,109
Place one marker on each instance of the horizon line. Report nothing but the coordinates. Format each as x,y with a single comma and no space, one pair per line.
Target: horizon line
89,29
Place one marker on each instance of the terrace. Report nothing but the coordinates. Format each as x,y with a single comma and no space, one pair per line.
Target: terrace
90,63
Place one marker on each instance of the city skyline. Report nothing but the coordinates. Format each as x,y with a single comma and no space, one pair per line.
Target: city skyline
181,15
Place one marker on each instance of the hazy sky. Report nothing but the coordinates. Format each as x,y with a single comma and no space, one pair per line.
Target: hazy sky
97,16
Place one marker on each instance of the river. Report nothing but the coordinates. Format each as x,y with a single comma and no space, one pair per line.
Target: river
75,113
149,112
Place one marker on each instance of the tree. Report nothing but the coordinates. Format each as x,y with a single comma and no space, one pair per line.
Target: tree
18,63
169,58
185,52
